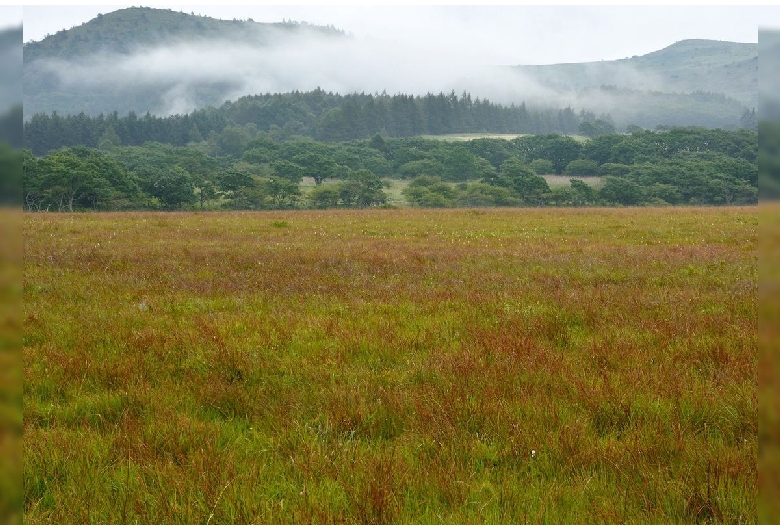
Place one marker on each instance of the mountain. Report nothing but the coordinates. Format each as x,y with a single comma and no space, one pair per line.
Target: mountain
727,68
691,82
147,60
126,30
166,63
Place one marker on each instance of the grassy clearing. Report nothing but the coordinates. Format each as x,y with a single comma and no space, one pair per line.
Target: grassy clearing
393,366
565,181
465,137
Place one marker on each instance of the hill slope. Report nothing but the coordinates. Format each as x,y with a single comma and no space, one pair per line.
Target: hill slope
126,30
165,62
727,68
147,60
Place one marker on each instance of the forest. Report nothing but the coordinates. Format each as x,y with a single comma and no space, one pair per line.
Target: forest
318,114
246,169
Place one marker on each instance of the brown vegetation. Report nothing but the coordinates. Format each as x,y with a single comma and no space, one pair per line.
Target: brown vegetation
462,366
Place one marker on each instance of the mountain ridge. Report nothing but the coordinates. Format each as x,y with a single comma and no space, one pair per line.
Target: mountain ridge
686,66
691,82
145,26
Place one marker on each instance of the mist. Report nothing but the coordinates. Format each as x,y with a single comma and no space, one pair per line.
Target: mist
186,76
289,63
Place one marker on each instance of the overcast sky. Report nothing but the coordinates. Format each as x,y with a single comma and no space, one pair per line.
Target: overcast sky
509,34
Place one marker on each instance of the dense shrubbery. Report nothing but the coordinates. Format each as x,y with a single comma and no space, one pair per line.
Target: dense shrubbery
258,170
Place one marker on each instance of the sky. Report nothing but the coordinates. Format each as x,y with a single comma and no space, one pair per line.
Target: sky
498,35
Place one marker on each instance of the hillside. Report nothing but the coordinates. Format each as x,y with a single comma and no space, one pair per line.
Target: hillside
127,30
76,70
727,68
173,63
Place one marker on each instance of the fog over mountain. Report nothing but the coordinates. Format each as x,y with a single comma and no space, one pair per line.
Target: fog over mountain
167,63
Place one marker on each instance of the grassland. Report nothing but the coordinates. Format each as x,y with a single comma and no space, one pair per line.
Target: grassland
466,137
393,366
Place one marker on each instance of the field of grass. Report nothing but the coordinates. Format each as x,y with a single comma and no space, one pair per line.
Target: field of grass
565,181
391,366
465,137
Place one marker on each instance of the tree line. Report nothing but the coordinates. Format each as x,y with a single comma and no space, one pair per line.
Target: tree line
261,171
317,114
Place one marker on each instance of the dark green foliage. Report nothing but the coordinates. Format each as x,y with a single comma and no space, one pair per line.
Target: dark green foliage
617,190
232,141
317,114
77,178
479,194
582,167
289,170
325,196
530,187
233,180
560,150
430,192
378,143
258,155
616,170
271,194
109,139
700,178
173,186
601,149
582,194
597,127
415,168
460,165
361,189
679,166
541,166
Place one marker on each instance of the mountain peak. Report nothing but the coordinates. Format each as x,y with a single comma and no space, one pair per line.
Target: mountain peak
126,29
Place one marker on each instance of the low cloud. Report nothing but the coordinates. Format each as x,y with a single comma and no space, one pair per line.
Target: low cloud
185,76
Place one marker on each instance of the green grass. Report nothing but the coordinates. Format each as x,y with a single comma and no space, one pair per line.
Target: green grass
391,366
